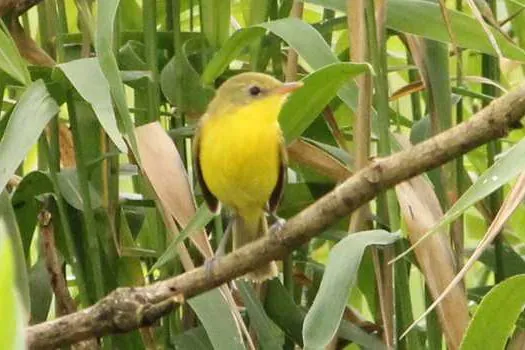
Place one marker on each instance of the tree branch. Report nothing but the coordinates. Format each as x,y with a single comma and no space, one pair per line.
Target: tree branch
126,309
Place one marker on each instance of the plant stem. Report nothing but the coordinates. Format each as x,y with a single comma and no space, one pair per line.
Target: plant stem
490,70
64,221
150,42
461,186
89,215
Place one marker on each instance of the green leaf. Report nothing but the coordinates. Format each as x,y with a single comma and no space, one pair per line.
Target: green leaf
496,315
39,291
106,13
424,18
12,330
87,78
307,41
215,15
312,47
304,105
323,318
10,60
9,228
511,260
131,56
301,36
26,207
195,338
502,171
70,188
216,317
268,334
23,129
353,333
281,308
201,218
420,130
195,97
229,51
129,267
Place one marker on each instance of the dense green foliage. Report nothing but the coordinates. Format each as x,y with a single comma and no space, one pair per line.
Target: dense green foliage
87,178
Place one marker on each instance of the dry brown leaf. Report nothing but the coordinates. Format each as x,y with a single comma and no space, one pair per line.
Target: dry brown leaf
408,89
513,200
517,341
353,316
421,211
163,167
415,44
307,154
418,207
67,152
27,46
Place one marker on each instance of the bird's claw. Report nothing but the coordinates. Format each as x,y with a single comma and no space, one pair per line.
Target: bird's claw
209,264
277,225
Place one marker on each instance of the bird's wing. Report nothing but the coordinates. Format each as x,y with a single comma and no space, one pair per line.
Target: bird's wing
278,191
209,198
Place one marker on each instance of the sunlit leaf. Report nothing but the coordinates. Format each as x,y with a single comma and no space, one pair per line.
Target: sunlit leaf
107,11
12,330
195,338
197,223
305,104
25,204
323,318
217,319
87,78
70,188
23,129
424,18
9,229
10,60
495,316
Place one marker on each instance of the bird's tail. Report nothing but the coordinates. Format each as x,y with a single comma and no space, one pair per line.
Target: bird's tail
248,227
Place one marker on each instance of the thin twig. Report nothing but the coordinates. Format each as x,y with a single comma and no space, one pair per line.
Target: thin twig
63,300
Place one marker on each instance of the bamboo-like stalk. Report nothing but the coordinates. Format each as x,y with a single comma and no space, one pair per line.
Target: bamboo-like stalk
490,70
66,227
461,186
292,64
358,40
387,208
92,236
149,10
178,118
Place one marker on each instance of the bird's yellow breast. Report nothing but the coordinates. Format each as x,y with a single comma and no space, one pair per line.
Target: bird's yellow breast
239,154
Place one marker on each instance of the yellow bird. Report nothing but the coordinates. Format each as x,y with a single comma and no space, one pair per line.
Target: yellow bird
240,156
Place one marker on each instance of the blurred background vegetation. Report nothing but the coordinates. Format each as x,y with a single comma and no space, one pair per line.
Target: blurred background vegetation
98,105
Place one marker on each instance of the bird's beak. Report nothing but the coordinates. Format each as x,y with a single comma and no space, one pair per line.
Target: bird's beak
286,88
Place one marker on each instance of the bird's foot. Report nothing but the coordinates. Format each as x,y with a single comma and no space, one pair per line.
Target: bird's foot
221,250
277,225
209,264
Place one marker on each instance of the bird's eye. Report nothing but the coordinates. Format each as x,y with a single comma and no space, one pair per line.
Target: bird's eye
254,90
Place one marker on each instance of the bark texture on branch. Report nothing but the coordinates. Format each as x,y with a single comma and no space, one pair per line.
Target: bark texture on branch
129,308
